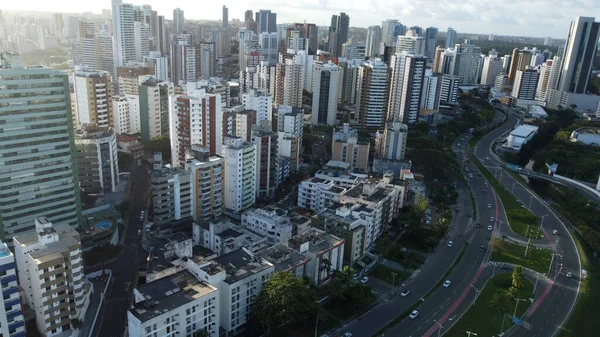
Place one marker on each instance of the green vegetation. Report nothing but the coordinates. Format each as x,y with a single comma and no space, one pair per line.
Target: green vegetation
393,251
124,160
536,259
519,218
384,273
46,57
101,254
161,144
497,298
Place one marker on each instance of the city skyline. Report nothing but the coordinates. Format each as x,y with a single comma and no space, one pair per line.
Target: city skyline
512,17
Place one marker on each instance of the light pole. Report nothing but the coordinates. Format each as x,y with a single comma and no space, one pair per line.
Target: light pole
543,216
393,280
536,281
530,200
477,291
512,191
517,304
440,329
469,333
550,267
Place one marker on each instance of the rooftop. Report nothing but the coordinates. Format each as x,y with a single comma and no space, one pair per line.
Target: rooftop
239,264
283,258
318,241
588,130
168,293
524,131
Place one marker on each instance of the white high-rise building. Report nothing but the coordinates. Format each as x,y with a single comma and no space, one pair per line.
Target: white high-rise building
141,34
371,94
50,266
11,316
208,59
259,101
178,21
290,120
353,51
467,63
492,67
240,173
373,45
408,72
268,46
126,114
307,62
410,44
206,176
430,97
96,159
159,63
449,89
326,86
391,143
123,30
549,72
93,91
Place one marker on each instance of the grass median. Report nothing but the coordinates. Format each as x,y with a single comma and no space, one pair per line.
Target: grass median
520,219
485,318
537,259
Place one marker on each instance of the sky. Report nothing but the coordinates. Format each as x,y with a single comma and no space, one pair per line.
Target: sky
500,17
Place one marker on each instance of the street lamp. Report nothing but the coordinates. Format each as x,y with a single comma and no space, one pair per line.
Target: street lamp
440,329
536,281
469,333
477,292
393,280
530,200
543,216
517,304
513,188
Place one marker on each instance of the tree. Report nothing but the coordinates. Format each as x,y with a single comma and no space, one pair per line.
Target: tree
517,277
201,333
512,292
360,295
499,303
346,276
161,144
284,300
421,204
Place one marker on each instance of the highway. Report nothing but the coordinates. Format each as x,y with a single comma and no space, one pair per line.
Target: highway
553,308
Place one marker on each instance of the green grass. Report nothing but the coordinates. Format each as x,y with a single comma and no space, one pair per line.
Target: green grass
384,273
519,218
583,321
480,318
504,251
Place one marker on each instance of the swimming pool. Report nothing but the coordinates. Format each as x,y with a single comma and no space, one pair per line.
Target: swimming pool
103,225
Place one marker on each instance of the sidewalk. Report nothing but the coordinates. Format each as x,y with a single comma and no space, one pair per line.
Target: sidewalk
88,321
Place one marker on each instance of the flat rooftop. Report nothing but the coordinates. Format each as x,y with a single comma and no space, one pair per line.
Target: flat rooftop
283,258
168,293
588,130
240,264
524,131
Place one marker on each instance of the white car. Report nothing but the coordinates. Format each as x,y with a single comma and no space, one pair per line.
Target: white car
492,219
413,314
364,280
555,232
405,293
569,275
450,243
490,228
348,334
447,283
490,206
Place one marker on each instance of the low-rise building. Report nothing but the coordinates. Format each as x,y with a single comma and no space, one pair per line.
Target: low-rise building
586,135
286,260
317,194
222,236
326,253
346,148
270,222
340,176
519,136
176,305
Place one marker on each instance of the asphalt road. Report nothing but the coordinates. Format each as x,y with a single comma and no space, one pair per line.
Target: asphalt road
113,317
431,273
554,306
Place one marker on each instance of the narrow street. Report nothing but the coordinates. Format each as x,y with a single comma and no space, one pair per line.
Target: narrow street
113,316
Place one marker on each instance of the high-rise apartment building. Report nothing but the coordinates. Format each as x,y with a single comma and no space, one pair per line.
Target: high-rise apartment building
466,63
171,190
407,76
526,83
390,30
338,33
450,38
430,97
37,151
123,30
519,61
449,89
159,63
391,143
207,183
141,35
326,81
185,62
549,72
373,45
265,143
268,46
96,159
492,67
130,78
266,21
353,51
345,148
207,59
372,94
240,174
293,84
410,44
93,90
431,34
259,101
178,21
195,119
154,108
50,265
11,317
225,19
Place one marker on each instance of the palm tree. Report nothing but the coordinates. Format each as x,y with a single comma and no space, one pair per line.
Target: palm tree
512,292
346,276
517,277
499,303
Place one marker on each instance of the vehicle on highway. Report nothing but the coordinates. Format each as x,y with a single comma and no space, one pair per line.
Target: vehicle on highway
142,216
489,206
450,243
478,225
364,280
490,228
492,219
482,248
403,249
413,314
471,175
555,232
484,191
348,334
405,293
447,283
569,275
